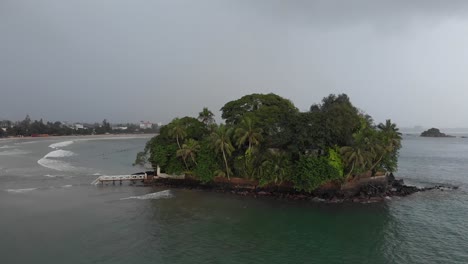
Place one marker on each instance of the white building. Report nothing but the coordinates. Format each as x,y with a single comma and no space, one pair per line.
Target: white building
79,126
145,125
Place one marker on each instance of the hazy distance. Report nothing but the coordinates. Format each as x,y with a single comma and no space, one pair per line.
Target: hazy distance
87,60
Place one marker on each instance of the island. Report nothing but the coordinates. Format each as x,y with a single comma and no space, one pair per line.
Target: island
333,152
434,132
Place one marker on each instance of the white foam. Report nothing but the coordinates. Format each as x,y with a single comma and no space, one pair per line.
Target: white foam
61,144
27,142
60,153
97,174
5,147
67,186
20,190
157,195
13,152
55,164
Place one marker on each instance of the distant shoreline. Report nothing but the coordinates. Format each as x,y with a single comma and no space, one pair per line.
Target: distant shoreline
80,136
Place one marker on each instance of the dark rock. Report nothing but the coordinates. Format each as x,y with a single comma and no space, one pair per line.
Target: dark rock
433,132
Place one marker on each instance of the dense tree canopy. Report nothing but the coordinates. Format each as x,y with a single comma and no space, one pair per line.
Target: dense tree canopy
266,138
27,127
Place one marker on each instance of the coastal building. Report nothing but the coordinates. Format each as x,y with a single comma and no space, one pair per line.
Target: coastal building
122,128
145,125
78,126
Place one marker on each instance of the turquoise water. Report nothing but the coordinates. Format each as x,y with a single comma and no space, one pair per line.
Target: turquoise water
51,214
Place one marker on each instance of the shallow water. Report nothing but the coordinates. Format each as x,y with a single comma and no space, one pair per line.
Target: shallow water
51,214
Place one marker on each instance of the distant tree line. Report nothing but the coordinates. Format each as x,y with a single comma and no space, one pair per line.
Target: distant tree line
266,138
27,127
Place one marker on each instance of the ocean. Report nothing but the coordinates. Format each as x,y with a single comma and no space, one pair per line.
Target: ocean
50,213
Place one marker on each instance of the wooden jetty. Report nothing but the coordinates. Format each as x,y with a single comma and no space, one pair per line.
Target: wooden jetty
141,176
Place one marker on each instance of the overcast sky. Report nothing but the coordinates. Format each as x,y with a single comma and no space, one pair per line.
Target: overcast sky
86,60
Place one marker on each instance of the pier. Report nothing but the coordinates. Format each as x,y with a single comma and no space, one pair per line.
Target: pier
141,176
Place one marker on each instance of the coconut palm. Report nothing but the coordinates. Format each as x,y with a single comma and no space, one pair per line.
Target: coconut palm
221,139
246,132
206,116
177,131
275,168
391,134
355,157
189,150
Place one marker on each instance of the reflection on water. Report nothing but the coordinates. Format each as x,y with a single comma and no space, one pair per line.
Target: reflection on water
63,219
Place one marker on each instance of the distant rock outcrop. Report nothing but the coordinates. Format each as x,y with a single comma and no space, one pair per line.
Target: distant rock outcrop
434,132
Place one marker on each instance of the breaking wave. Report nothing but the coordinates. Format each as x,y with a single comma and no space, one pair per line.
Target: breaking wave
20,190
59,154
61,144
50,160
154,196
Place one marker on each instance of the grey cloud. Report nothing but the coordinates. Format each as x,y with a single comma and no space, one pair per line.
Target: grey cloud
153,60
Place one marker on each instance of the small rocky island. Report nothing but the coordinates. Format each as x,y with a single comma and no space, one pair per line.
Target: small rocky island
267,147
434,132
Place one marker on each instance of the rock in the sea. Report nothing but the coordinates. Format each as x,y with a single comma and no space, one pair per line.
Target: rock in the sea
433,132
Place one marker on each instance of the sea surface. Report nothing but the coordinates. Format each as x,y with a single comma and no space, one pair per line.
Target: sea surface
50,213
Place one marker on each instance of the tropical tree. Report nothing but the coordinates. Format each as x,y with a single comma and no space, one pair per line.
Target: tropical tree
221,140
391,134
275,168
392,141
246,132
206,116
189,150
177,131
355,157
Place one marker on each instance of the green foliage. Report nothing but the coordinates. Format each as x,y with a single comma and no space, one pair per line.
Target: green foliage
341,119
275,169
311,172
247,132
208,163
373,149
334,159
221,143
27,127
275,142
268,111
189,151
206,116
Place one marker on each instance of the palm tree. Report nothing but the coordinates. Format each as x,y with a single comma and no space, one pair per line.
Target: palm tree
248,133
189,149
355,156
222,143
275,167
177,131
391,134
206,116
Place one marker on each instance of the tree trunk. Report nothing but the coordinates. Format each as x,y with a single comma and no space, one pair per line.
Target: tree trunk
351,171
225,162
183,157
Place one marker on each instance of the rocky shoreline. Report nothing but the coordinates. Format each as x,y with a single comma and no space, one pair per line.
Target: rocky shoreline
369,190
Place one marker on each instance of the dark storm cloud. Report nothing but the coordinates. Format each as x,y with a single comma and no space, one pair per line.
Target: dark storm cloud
153,60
